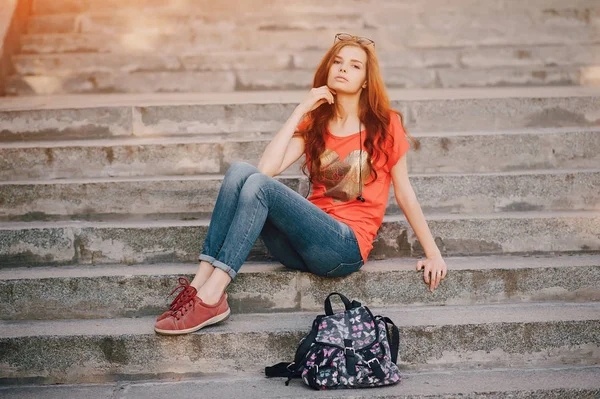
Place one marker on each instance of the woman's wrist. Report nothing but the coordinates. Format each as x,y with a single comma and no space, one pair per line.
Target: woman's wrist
433,254
299,111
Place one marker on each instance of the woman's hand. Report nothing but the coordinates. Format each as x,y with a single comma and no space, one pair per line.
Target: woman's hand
435,271
316,97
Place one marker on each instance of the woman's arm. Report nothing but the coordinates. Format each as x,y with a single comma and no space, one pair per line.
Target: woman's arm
275,153
282,151
405,196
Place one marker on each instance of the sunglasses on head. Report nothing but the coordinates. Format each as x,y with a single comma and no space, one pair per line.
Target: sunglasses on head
359,39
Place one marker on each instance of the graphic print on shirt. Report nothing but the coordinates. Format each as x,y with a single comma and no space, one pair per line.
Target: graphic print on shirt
340,177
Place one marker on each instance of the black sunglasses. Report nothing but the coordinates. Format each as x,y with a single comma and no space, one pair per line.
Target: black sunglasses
359,39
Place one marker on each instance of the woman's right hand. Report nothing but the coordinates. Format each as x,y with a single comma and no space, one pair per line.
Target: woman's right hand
316,97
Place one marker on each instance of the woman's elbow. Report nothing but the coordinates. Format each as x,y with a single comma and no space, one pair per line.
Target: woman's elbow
264,168
267,171
406,199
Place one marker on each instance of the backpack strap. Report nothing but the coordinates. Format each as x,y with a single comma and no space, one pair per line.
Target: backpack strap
329,310
375,365
294,369
350,354
347,303
279,370
307,341
393,336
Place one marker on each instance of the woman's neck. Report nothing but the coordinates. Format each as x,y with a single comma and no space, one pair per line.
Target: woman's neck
346,111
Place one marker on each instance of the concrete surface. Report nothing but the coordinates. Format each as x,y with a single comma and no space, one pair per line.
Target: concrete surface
431,338
554,383
99,291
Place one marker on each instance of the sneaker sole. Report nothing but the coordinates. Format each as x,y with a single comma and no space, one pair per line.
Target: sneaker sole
217,319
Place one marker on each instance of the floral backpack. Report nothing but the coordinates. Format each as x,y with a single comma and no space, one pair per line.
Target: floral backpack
349,349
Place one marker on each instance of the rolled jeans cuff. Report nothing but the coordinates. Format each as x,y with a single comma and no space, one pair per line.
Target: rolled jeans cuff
218,264
206,258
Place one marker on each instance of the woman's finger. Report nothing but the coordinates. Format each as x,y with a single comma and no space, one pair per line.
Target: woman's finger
420,265
438,278
426,274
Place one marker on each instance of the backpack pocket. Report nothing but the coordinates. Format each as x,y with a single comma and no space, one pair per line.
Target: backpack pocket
321,367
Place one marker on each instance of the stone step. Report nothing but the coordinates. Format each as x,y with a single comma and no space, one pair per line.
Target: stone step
144,115
557,382
550,190
164,20
431,338
68,64
316,30
133,241
199,6
99,291
442,152
155,20
229,81
235,71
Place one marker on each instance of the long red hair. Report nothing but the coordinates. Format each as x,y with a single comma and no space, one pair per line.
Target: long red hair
374,111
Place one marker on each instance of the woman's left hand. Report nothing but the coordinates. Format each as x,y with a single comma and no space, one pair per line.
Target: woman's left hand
435,271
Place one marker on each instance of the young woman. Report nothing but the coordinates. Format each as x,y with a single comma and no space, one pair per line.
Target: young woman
354,145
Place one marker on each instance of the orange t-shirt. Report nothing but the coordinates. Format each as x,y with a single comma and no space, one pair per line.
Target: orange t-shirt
336,187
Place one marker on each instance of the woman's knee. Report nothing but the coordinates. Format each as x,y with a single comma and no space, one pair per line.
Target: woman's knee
254,185
240,171
256,181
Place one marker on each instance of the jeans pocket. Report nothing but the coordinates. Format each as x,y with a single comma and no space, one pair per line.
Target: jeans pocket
343,269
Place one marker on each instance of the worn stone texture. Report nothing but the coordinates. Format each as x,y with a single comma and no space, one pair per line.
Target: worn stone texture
65,123
498,114
86,263
467,115
149,241
76,6
46,245
429,29
295,79
436,45
109,82
453,194
517,335
420,115
506,233
94,199
98,291
438,153
511,76
411,60
567,382
483,153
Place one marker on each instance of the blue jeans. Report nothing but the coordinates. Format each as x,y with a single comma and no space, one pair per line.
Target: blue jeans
295,231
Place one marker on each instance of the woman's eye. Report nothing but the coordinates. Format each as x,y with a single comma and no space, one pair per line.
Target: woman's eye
355,66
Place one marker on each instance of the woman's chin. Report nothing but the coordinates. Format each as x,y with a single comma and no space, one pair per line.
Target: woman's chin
339,87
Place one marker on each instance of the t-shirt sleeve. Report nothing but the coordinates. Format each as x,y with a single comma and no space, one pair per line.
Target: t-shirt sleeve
401,144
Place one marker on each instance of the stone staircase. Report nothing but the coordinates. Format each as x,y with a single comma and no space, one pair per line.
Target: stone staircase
107,190
73,46
107,199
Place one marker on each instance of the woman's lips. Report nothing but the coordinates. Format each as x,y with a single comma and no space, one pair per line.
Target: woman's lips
341,78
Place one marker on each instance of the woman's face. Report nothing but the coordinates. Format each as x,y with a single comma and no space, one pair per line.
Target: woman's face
350,63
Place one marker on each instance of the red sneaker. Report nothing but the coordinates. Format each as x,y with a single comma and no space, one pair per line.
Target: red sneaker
193,316
187,292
